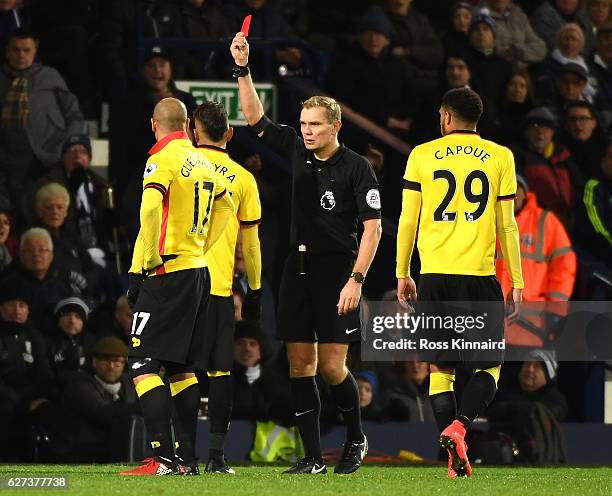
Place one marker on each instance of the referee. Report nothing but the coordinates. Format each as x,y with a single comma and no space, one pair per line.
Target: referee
459,194
333,189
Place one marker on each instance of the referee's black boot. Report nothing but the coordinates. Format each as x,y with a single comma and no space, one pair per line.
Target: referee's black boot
308,466
352,457
218,466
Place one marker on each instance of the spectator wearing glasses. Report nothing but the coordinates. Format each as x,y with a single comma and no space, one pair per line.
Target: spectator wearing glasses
584,138
46,283
547,166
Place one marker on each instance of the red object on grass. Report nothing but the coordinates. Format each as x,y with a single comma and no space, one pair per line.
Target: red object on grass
246,24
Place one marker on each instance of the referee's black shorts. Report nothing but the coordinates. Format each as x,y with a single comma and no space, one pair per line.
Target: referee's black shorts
307,307
169,317
218,352
469,289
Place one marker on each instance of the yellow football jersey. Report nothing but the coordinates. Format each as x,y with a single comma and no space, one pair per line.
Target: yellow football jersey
188,183
243,189
461,176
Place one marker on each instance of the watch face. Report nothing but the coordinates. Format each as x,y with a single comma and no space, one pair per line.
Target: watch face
358,276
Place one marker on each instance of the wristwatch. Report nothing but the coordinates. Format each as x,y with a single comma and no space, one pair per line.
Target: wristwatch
358,276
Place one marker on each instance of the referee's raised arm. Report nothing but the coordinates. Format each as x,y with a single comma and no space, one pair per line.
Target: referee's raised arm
249,100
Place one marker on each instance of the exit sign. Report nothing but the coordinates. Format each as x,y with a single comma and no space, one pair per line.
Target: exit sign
227,94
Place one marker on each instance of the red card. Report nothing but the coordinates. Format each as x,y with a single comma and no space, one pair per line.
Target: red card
245,25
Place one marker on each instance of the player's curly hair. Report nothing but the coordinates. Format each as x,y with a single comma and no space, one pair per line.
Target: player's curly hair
464,103
331,106
212,116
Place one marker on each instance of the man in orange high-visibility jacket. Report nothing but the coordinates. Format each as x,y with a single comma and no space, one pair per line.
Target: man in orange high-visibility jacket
549,267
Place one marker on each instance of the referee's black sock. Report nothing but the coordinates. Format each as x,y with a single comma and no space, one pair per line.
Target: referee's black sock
220,398
444,406
307,408
346,396
478,393
155,405
186,399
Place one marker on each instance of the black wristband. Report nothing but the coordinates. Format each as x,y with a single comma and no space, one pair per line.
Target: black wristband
261,125
240,71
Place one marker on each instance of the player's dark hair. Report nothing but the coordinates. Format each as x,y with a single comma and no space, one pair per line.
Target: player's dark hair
212,116
464,103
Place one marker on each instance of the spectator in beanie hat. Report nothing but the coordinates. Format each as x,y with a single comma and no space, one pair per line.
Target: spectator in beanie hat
260,383
26,380
548,166
456,37
68,345
529,408
489,70
369,67
368,384
515,39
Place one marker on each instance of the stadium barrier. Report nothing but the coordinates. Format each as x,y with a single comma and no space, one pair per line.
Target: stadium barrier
392,437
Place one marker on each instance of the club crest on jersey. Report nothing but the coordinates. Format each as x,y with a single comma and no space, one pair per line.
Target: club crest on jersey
328,201
151,168
373,199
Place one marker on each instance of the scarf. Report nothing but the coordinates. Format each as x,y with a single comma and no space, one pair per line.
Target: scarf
253,373
16,106
562,59
112,389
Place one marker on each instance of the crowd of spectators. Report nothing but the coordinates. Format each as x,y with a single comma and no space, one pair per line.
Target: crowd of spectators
543,69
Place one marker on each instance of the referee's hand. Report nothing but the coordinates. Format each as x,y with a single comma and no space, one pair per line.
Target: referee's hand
406,290
240,49
349,297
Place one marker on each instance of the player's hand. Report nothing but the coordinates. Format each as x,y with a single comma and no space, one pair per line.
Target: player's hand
406,290
240,49
134,283
513,305
349,297
251,306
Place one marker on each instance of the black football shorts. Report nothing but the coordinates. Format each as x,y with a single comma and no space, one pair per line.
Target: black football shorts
307,307
478,297
170,317
218,352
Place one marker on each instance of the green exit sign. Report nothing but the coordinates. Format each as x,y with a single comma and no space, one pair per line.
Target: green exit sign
227,94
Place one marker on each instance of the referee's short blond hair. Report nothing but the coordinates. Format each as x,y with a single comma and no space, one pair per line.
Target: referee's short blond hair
331,106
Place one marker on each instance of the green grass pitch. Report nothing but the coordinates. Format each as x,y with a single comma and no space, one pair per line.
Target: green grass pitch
102,480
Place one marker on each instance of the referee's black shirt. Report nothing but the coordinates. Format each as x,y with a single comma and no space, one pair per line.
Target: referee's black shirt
328,197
